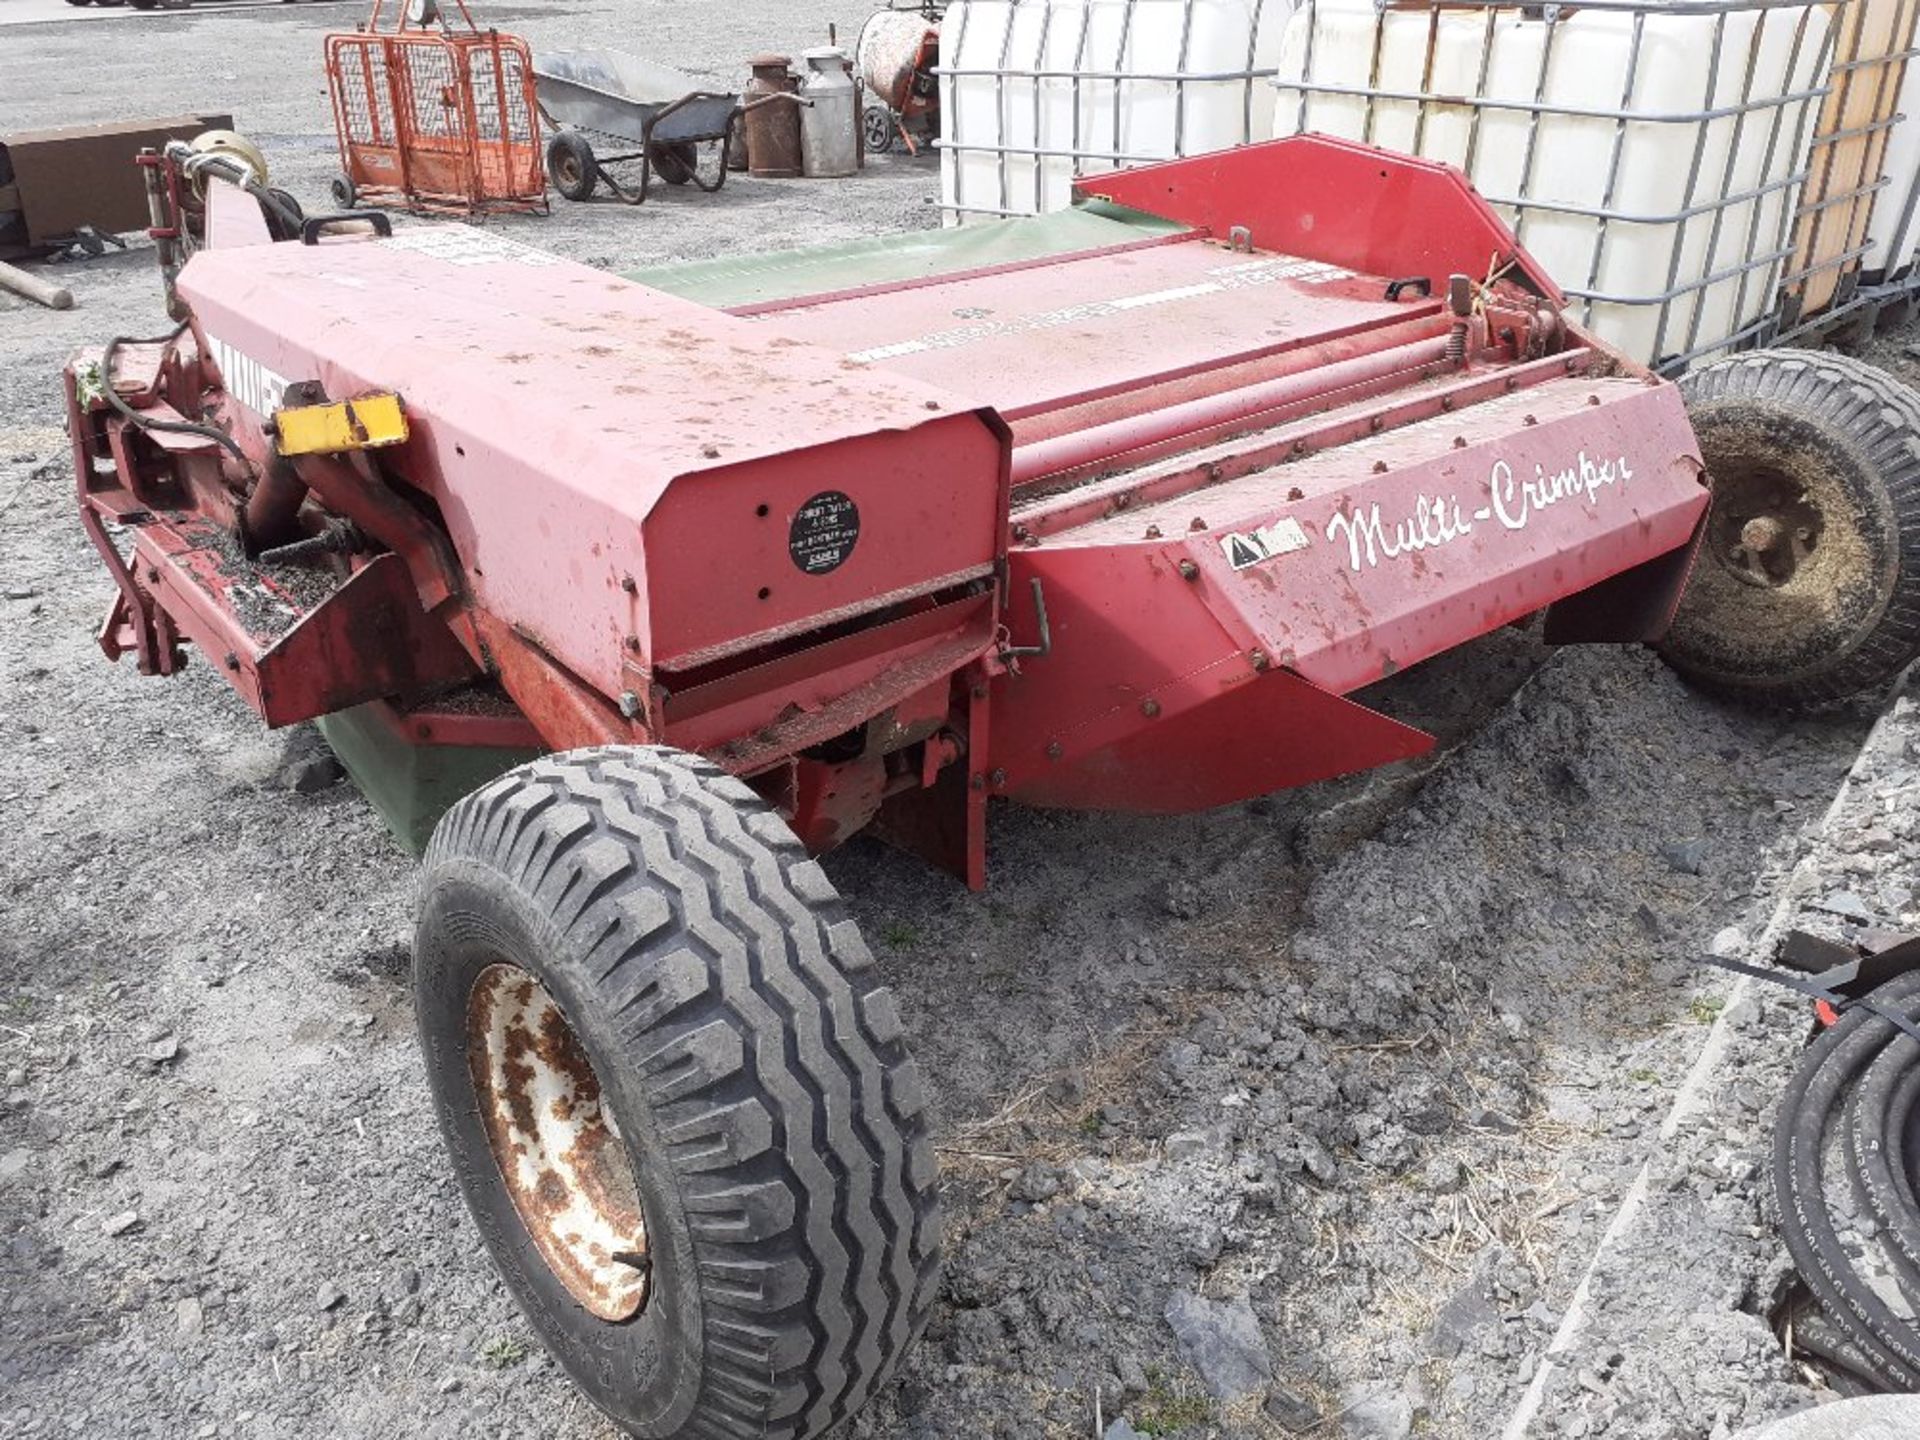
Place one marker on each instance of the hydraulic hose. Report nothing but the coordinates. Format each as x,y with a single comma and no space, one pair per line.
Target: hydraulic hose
1848,1371
1848,1119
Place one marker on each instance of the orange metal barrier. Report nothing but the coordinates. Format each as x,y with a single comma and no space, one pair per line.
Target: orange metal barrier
441,120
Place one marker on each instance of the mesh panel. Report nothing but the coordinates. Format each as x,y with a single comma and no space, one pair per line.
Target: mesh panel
359,68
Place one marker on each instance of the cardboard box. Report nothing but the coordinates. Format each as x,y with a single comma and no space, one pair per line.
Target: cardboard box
54,181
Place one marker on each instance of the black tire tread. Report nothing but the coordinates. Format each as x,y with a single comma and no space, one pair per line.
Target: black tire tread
571,145
776,1063
1883,416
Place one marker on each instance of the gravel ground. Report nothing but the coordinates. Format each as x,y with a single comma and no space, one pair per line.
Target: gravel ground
1303,1116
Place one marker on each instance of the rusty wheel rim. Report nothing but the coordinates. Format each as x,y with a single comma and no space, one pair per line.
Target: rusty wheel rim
1764,526
555,1142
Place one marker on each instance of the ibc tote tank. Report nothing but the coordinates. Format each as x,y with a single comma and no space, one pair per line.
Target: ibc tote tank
1893,229
1034,92
1647,154
1871,39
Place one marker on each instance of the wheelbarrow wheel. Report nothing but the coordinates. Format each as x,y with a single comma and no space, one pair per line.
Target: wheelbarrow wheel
676,163
571,166
1807,586
878,123
342,191
677,1099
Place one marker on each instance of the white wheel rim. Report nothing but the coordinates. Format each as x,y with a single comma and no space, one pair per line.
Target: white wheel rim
555,1143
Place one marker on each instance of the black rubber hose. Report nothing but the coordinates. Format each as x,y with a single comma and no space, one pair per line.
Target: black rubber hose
1815,1335
1878,1123
148,422
1808,1113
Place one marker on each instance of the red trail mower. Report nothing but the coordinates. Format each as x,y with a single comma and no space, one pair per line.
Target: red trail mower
682,582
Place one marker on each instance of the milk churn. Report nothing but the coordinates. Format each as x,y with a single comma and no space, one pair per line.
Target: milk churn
829,135
773,131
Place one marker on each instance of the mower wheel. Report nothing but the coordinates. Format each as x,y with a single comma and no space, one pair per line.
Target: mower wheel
1807,586
677,1098
571,166
342,191
676,163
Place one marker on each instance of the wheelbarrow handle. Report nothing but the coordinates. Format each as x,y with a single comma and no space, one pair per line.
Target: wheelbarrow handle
770,99
665,110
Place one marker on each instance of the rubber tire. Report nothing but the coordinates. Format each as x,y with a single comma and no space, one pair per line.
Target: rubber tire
751,1059
342,192
571,166
1834,425
878,129
676,163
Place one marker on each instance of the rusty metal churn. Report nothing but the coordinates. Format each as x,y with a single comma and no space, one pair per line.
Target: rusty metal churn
773,129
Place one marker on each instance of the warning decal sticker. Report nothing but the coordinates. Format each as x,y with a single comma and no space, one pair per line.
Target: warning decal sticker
823,532
1282,537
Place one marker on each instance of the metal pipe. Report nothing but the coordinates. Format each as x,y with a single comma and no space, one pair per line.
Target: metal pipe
1104,442
1224,374
271,508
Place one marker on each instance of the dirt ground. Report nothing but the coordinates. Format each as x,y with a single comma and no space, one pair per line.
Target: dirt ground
1315,1115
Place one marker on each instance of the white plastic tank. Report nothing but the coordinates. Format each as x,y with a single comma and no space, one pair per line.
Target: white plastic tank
829,134
1893,229
1655,184
1035,92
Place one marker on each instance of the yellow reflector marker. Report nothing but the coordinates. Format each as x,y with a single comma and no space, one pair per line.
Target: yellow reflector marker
362,424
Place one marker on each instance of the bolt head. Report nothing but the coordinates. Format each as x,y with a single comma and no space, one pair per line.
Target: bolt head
1763,533
629,704
1149,707
1189,570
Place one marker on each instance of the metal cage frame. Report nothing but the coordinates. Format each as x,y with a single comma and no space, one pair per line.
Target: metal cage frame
437,119
1081,74
1764,256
